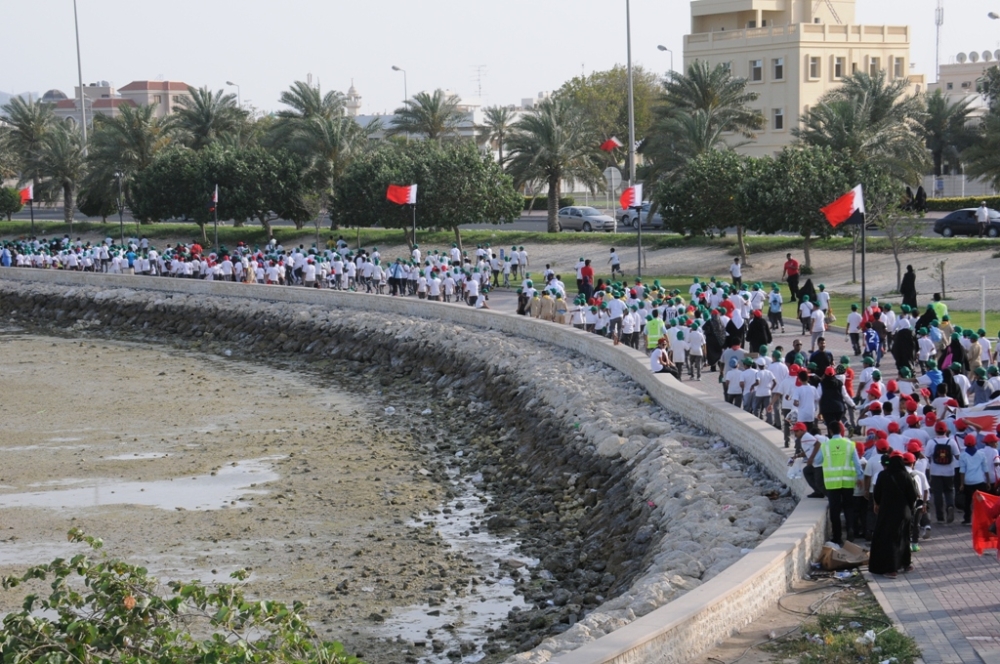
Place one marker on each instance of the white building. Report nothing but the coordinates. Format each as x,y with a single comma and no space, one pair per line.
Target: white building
792,52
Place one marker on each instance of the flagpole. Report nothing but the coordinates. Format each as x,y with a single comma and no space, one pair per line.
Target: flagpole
414,223
864,236
216,227
31,206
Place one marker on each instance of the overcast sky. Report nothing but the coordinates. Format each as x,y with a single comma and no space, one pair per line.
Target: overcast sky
523,46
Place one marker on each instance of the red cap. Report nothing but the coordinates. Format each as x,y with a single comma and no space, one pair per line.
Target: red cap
990,438
961,424
940,427
970,440
892,386
882,445
860,447
794,369
912,421
930,418
925,392
756,313
875,406
951,403
909,459
881,434
829,372
896,453
875,390
914,446
893,427
911,406
800,426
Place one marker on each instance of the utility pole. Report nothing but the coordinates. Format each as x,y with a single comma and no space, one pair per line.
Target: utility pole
938,21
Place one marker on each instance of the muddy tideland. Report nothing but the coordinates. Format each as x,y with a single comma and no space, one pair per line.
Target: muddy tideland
435,493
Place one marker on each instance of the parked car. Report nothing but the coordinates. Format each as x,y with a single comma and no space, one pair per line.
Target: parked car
963,222
630,218
586,219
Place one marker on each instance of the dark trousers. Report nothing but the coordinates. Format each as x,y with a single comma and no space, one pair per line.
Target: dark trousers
814,478
970,489
735,399
943,491
840,500
856,342
793,286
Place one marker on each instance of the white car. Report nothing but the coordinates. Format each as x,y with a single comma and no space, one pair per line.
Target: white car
630,218
586,219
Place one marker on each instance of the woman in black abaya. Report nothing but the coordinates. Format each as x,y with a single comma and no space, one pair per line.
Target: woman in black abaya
894,497
908,287
715,337
904,348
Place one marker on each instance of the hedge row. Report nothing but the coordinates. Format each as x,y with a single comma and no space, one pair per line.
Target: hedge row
542,202
950,204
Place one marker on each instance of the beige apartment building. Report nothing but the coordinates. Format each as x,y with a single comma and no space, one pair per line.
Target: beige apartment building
103,99
792,52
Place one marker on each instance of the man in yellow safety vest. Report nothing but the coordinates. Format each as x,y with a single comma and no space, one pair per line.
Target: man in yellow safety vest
838,457
654,330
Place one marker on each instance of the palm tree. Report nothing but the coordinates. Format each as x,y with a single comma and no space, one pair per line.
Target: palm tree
498,124
946,130
204,117
28,122
432,115
305,102
328,145
60,163
551,144
126,144
982,160
697,113
870,120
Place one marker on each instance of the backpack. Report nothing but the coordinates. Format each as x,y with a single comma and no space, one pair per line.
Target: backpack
942,454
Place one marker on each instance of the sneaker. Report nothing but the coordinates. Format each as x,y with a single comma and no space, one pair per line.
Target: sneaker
925,532
914,547
950,511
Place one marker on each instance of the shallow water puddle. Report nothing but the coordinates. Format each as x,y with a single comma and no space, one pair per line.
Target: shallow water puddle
464,619
199,492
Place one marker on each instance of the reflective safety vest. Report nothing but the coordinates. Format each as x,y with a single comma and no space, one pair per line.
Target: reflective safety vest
654,330
838,466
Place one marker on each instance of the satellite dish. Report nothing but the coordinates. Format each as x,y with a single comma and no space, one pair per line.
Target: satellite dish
961,58
973,56
996,54
613,177
987,56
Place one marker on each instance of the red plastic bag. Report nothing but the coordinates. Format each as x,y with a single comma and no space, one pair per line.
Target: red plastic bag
985,513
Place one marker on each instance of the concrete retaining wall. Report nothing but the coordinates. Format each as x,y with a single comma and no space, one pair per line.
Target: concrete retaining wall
677,631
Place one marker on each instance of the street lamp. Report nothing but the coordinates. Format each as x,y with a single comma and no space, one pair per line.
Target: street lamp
406,94
239,99
664,48
79,73
121,205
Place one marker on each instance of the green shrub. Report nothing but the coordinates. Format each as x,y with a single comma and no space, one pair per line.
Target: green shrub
542,202
951,204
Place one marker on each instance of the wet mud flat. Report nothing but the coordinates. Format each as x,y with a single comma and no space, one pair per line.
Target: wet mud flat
623,505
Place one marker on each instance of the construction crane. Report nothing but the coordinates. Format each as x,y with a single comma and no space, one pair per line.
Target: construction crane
829,5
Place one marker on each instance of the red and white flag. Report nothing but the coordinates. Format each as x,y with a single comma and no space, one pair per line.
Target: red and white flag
402,195
631,197
215,194
611,144
986,416
849,208
28,194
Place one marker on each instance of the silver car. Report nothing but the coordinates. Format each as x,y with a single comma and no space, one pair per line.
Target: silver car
630,218
586,219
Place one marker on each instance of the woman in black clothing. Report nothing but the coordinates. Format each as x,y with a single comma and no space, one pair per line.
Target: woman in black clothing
895,497
831,401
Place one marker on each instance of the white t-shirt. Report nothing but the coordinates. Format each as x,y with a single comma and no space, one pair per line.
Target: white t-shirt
736,270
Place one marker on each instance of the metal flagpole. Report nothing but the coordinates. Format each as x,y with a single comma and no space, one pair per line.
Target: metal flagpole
864,236
216,227
414,223
631,128
31,206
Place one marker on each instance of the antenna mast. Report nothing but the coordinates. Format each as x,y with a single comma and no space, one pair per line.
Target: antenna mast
938,21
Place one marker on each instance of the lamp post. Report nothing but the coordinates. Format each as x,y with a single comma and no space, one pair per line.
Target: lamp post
239,99
121,205
631,130
661,47
79,73
406,94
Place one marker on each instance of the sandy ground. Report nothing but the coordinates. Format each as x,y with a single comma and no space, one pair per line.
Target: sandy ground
196,466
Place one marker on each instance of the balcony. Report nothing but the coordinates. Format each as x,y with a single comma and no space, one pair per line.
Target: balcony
797,33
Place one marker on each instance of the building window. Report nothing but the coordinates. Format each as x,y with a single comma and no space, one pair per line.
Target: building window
778,119
874,65
897,68
176,99
778,66
966,85
814,67
854,67
838,68
157,99
949,86
756,70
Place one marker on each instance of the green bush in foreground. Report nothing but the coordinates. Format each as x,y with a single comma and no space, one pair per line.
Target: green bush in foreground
109,611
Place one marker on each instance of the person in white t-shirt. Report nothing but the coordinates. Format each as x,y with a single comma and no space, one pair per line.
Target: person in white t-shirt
736,270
